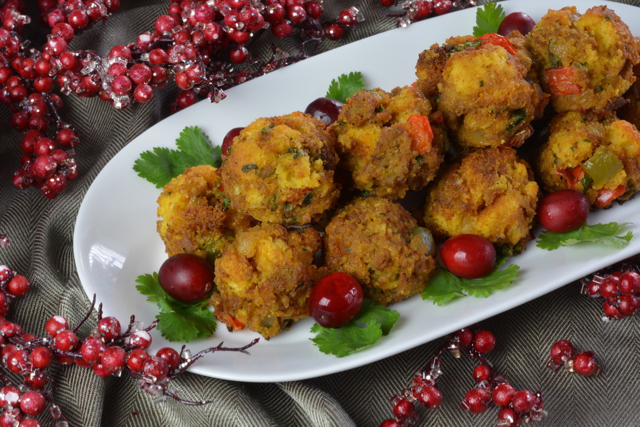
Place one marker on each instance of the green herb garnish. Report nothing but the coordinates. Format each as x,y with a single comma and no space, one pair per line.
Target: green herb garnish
177,321
488,19
446,286
345,86
605,234
163,164
363,331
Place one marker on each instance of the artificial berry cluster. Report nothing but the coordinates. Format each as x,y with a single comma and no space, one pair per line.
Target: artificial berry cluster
564,355
417,10
516,406
108,350
619,286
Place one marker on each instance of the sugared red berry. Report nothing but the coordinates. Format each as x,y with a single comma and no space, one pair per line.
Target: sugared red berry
109,327
403,408
156,367
481,373
171,356
135,359
484,341
507,417
140,339
55,324
476,400
502,394
430,397
629,283
523,401
33,403
562,351
585,364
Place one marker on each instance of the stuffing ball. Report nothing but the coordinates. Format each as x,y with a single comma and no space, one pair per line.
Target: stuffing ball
490,192
484,88
378,243
194,215
386,142
600,158
264,278
280,170
584,61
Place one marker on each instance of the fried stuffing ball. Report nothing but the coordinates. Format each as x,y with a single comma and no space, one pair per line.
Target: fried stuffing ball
484,91
600,158
584,61
264,278
280,170
386,142
379,243
490,192
194,218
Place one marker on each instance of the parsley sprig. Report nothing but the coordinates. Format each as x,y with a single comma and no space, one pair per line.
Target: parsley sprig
605,234
488,19
446,286
345,86
163,164
178,321
363,331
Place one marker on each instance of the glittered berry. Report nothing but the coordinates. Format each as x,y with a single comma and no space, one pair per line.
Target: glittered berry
523,400
403,408
171,356
135,359
140,339
109,327
430,397
585,364
476,400
484,341
629,283
33,403
156,367
502,394
481,373
507,417
562,351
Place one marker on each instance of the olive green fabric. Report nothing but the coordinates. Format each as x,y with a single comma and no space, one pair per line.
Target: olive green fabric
41,233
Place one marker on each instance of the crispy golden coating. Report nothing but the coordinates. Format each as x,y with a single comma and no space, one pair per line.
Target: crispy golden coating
193,215
594,51
491,193
592,156
280,170
377,142
265,277
486,96
374,240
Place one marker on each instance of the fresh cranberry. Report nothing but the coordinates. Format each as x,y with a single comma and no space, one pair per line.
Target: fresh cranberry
585,364
562,351
335,300
468,256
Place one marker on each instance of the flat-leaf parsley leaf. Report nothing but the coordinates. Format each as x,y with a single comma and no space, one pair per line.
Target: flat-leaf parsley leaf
606,234
363,331
447,286
488,19
178,321
345,86
163,164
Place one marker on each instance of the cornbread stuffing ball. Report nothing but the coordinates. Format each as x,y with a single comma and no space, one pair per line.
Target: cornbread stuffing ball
486,94
379,243
598,157
490,192
194,216
584,61
280,170
386,142
631,110
264,278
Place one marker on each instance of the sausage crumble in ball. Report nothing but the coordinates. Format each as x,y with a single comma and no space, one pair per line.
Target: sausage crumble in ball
280,170
194,215
378,242
264,278
386,142
490,193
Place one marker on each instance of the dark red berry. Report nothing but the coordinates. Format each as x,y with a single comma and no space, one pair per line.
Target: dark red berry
502,394
41,357
507,417
484,341
611,310
33,403
430,397
156,367
523,400
335,300
66,340
516,21
171,356
481,373
186,277
562,351
609,287
468,256
56,324
629,283
109,327
135,359
476,400
403,408
628,304
465,337
228,140
585,364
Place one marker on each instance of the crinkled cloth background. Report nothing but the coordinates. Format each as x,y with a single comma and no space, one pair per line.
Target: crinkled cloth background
41,233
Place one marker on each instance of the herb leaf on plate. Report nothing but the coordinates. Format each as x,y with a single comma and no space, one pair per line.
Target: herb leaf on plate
605,234
363,331
446,286
163,164
345,86
178,321
488,19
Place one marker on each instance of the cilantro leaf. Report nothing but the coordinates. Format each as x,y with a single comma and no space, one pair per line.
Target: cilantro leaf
178,321
488,19
163,164
345,86
606,234
446,286
363,331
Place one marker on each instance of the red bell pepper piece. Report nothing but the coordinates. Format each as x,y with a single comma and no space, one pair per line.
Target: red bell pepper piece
607,195
573,177
497,40
563,81
421,133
